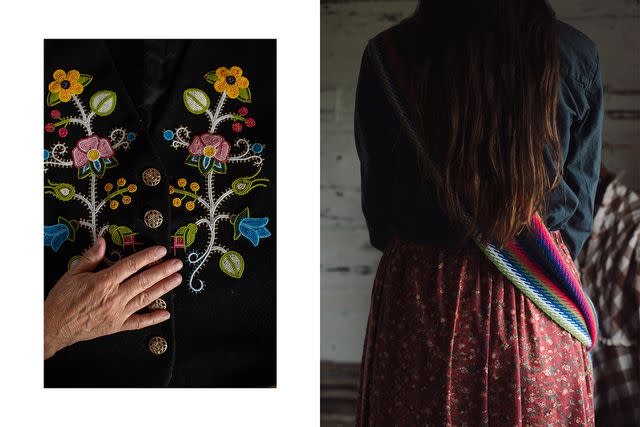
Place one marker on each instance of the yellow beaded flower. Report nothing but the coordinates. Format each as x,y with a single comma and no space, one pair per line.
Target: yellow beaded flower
194,186
182,182
171,189
126,199
230,81
176,202
190,205
114,204
108,187
121,182
66,84
132,188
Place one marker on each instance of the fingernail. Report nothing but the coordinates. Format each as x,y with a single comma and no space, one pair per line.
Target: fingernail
161,251
177,279
176,263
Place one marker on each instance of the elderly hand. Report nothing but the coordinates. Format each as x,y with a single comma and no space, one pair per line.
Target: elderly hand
84,305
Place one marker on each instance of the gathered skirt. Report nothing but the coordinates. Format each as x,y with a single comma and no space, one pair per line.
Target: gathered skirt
451,342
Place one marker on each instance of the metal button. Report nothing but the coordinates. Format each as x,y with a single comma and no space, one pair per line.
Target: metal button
151,177
153,218
157,345
158,304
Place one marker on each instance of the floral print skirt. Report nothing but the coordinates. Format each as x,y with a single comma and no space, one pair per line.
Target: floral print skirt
451,342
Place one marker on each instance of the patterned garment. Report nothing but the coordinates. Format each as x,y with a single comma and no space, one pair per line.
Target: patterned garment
611,276
451,342
173,143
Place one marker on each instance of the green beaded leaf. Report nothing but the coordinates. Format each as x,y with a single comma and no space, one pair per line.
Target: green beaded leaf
73,260
211,77
188,233
85,79
118,233
244,95
72,225
232,264
52,99
103,102
196,100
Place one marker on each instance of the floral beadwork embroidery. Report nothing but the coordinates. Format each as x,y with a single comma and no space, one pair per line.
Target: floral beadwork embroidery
66,85
91,156
212,154
231,82
207,152
253,229
55,235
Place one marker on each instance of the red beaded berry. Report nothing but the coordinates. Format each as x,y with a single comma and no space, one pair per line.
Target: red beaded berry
236,127
243,111
49,127
63,132
250,122
55,114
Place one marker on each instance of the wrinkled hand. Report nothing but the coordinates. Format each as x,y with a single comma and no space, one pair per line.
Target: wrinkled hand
84,304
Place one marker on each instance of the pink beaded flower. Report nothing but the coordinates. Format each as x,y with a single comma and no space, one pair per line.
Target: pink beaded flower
93,155
209,152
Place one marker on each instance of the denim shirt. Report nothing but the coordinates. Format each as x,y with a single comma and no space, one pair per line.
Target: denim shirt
395,202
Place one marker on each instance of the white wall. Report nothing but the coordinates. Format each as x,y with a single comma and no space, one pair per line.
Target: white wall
348,262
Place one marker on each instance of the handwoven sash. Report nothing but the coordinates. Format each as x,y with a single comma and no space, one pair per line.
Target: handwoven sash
531,261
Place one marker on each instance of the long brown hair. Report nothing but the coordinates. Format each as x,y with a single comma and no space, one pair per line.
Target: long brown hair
484,75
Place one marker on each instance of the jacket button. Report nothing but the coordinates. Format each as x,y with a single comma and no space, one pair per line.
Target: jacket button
158,304
157,345
151,177
153,218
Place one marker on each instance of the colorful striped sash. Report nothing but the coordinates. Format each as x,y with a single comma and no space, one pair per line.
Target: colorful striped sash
531,261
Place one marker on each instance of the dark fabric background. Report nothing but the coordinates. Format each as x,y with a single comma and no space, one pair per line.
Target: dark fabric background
225,335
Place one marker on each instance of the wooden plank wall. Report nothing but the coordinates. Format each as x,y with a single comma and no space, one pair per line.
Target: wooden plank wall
348,262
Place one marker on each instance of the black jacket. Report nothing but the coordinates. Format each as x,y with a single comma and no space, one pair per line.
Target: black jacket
137,150
394,201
